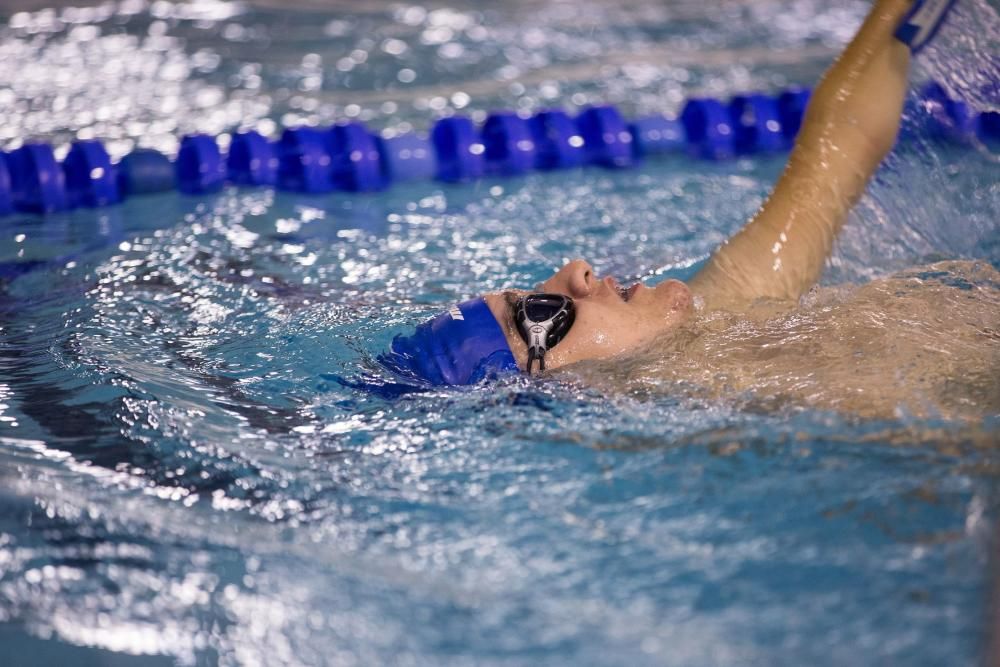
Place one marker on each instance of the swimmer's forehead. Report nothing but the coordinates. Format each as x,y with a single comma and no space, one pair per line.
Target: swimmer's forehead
510,299
504,307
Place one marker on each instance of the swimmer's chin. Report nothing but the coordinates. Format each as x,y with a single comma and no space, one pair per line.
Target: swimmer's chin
679,300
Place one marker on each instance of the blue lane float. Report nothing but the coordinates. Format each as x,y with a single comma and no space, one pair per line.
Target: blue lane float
757,124
37,182
709,129
406,157
656,134
348,157
792,105
6,202
508,144
355,163
949,118
459,150
988,128
303,161
252,160
199,165
91,180
558,144
606,139
145,171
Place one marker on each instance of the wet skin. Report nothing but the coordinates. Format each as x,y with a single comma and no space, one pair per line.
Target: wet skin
610,319
850,125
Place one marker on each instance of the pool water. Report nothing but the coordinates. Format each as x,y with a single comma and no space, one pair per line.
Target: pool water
186,477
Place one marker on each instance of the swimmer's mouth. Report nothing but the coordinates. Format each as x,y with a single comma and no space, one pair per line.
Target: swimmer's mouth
626,293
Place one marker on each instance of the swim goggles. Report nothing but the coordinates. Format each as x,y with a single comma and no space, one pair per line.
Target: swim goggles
543,320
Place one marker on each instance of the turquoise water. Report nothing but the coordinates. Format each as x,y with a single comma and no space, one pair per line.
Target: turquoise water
184,480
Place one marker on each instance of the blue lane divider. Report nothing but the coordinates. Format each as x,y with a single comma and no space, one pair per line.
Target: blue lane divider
558,144
757,124
950,119
6,203
508,144
303,161
791,108
355,162
200,169
606,139
657,134
406,157
988,128
252,160
145,171
348,157
459,150
91,179
709,129
37,183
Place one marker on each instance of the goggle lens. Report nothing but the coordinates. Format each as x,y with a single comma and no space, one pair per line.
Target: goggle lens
543,320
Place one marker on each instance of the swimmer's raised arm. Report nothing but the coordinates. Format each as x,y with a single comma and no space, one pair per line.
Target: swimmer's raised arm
850,125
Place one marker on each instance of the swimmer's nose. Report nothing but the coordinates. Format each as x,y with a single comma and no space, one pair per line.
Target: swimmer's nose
575,280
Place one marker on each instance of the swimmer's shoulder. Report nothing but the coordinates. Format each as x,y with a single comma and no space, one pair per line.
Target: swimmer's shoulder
924,282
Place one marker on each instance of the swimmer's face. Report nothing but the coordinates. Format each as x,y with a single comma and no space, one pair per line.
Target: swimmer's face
610,319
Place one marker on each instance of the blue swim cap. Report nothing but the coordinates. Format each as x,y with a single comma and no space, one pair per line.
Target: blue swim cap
462,345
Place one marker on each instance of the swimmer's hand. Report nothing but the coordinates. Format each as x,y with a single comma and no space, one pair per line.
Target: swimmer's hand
922,22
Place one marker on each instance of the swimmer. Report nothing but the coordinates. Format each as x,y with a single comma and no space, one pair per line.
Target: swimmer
850,125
